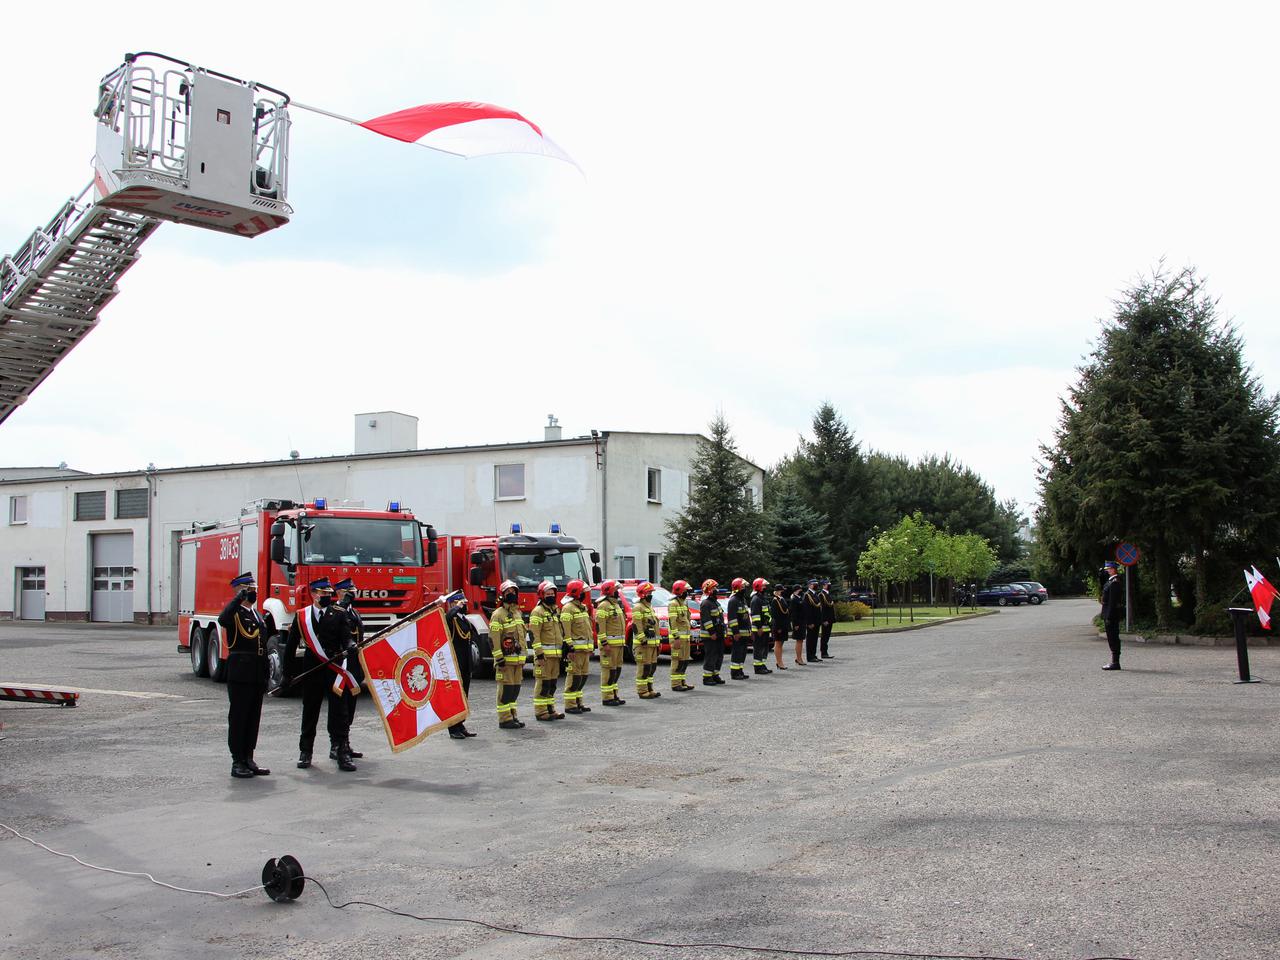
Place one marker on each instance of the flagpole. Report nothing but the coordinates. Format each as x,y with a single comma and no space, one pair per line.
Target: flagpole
357,123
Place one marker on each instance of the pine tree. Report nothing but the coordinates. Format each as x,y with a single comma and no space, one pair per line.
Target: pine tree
721,533
798,536
832,475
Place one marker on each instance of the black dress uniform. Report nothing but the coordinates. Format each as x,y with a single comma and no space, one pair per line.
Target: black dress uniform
711,625
812,622
349,697
780,618
828,619
332,629
247,634
462,631
797,618
1112,612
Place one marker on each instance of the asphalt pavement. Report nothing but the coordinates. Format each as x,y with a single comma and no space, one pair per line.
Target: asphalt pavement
978,787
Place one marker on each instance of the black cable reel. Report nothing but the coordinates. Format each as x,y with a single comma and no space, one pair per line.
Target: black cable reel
283,879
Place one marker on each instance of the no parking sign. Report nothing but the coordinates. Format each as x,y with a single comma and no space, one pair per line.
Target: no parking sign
1128,554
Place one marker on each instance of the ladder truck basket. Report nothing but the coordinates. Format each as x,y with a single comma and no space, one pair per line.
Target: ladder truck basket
179,142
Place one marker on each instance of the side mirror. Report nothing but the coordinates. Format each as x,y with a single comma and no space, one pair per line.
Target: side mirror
277,547
433,548
478,558
476,576
595,558
277,529
596,574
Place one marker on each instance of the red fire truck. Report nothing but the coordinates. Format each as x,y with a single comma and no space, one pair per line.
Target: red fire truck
478,564
286,545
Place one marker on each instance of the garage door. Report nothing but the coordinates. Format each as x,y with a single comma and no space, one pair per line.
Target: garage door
31,593
112,577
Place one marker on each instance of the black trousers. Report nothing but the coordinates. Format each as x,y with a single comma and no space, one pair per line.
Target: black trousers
739,653
462,652
244,712
712,654
760,647
318,689
811,640
825,637
1113,639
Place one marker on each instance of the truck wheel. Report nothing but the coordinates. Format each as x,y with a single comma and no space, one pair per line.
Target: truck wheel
217,666
275,662
199,664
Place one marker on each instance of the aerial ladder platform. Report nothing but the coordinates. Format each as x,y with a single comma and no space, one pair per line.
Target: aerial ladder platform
175,142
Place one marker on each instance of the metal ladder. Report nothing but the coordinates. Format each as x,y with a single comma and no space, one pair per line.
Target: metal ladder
53,289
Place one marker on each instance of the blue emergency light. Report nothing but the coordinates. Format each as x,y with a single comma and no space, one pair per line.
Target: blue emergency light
322,503
393,506
555,528
515,528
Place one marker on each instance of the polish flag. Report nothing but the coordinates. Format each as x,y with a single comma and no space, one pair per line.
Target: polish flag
414,678
1264,595
467,130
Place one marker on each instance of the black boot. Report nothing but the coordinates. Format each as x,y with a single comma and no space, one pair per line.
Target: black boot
763,670
1113,665
257,770
457,733
354,754
240,771
345,763
510,725
304,759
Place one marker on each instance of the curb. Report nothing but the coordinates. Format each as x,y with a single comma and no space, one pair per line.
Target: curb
1191,640
915,626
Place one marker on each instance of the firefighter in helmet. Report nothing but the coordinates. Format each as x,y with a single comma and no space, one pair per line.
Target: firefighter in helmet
739,613
712,623
761,624
575,623
548,643
506,633
679,633
611,626
645,641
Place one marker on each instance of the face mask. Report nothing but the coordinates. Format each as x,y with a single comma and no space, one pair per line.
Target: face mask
325,601
510,598
251,595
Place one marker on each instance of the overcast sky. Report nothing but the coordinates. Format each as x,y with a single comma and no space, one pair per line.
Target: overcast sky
919,212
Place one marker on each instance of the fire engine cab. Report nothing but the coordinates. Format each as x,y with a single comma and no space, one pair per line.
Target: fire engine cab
286,545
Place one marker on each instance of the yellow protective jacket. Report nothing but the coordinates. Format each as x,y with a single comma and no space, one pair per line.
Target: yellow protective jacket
645,620
544,626
506,633
678,621
576,623
611,622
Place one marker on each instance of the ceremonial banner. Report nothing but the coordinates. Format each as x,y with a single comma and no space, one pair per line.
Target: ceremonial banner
1264,595
413,675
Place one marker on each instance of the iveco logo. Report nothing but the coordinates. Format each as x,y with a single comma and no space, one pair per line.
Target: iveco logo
372,594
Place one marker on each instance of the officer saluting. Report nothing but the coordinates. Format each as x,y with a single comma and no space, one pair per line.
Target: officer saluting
247,633
327,636
346,592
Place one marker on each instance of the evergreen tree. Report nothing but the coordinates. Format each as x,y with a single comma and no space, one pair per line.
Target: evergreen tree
1168,440
832,476
798,536
721,533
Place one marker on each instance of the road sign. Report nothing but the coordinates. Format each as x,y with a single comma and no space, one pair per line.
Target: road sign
1128,554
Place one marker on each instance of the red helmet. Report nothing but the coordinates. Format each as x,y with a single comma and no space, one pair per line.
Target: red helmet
759,584
546,589
575,589
644,590
709,587
738,584
609,588
680,588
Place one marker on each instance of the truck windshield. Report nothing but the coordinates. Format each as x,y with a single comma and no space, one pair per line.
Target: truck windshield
530,567
361,540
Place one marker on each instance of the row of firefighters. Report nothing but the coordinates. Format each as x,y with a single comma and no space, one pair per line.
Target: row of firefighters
329,632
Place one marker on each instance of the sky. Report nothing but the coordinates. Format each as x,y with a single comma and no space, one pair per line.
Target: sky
918,212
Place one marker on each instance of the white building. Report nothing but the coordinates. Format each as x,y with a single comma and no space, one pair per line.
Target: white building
76,546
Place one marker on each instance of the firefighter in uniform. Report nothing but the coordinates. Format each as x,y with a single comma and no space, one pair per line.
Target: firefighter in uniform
812,621
462,632
575,621
679,634
645,641
780,619
548,645
611,626
247,633
506,632
798,628
739,613
346,594
761,624
329,627
828,619
712,625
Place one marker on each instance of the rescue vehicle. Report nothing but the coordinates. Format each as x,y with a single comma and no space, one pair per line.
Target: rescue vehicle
286,545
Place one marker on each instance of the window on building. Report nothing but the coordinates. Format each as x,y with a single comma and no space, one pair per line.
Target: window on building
655,485
18,509
508,481
626,568
91,506
655,567
131,504
751,496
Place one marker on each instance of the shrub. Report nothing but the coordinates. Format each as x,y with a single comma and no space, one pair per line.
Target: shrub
851,611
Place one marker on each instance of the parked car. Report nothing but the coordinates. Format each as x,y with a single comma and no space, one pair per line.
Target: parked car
859,595
1001,595
1036,590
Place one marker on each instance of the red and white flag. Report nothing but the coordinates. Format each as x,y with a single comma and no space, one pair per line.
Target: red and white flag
467,130
414,678
1264,595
